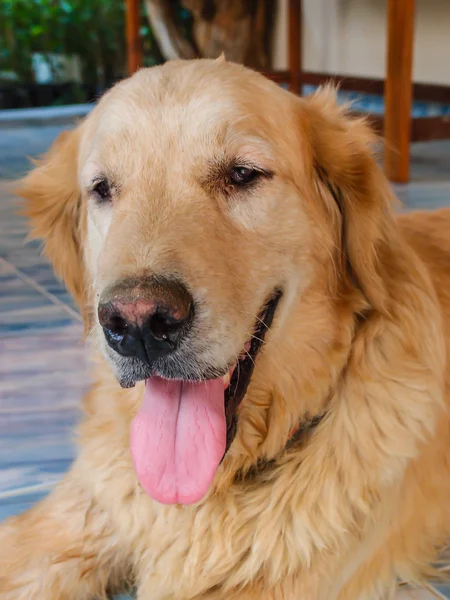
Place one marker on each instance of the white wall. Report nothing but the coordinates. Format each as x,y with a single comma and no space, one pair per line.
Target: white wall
349,36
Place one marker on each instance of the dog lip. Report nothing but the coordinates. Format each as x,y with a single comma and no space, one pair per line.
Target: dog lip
243,371
142,371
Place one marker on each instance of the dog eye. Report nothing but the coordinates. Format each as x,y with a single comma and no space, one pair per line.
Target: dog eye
243,175
102,190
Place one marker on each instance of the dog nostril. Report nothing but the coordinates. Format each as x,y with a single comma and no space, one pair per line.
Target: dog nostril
164,328
114,325
117,325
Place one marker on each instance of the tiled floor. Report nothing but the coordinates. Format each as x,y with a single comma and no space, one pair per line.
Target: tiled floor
42,370
41,360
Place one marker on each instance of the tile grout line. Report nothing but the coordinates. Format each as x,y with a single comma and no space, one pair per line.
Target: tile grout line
39,487
436,593
41,289
38,409
417,593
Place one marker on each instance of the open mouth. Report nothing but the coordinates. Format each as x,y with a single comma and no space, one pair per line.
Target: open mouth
184,428
238,377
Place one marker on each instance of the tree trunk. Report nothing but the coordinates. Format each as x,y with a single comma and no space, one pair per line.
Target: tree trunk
241,29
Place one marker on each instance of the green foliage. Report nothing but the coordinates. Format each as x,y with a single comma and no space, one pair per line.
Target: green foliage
93,29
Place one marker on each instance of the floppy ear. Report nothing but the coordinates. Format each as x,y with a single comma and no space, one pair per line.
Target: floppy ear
55,210
345,172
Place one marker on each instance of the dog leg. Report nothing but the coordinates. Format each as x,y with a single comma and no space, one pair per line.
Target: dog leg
61,549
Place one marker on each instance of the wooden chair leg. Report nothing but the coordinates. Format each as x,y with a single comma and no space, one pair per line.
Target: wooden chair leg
398,89
295,45
134,45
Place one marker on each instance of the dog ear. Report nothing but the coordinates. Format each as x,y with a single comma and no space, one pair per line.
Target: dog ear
55,210
345,171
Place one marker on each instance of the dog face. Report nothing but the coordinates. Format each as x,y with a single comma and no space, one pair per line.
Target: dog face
191,209
189,213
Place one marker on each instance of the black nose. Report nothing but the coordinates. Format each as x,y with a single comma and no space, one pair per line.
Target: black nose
145,318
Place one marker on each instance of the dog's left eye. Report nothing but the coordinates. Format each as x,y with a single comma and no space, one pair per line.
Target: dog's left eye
243,175
102,190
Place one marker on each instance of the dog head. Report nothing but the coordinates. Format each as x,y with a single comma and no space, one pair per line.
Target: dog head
191,215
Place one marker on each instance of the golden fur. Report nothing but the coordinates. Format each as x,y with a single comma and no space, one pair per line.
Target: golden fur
362,333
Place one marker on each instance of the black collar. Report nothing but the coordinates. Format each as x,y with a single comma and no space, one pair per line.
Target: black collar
305,426
298,435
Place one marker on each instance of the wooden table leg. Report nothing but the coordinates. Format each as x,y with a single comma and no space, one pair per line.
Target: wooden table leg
134,45
295,44
398,89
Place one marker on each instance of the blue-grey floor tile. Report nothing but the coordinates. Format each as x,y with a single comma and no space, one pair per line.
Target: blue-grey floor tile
18,144
14,505
444,589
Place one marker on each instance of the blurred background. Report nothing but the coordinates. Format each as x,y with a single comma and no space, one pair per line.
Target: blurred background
61,52
390,57
57,57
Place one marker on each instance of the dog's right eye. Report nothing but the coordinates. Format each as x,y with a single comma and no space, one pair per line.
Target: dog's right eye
101,190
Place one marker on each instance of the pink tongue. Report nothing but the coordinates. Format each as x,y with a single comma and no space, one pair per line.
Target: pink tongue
178,438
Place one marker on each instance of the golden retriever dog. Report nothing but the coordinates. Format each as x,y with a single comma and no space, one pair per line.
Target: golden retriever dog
269,411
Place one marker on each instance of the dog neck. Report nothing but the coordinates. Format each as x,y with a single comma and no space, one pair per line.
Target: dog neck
305,427
298,436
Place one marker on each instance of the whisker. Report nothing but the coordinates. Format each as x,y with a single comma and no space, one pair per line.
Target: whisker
238,370
250,357
92,340
224,362
255,317
255,337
